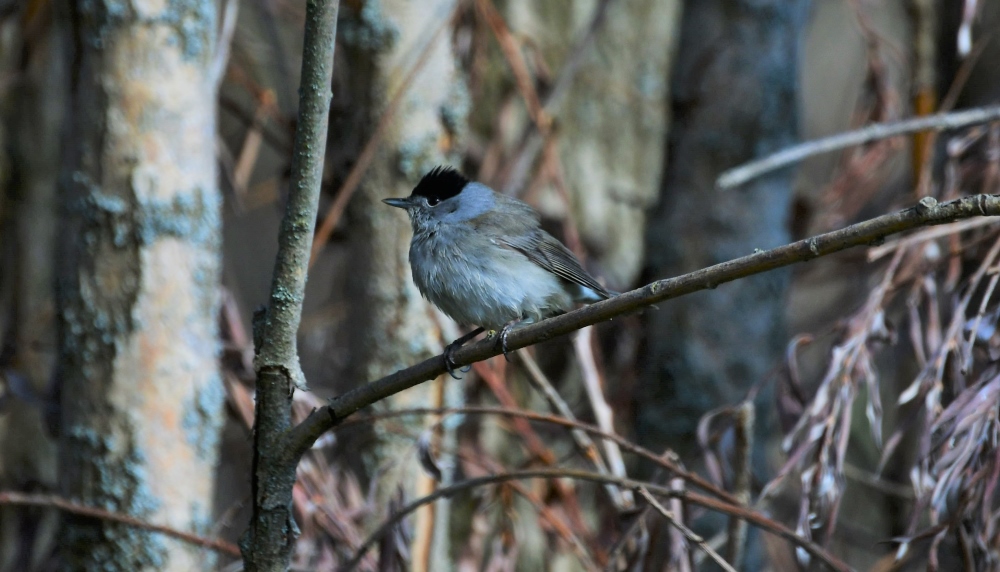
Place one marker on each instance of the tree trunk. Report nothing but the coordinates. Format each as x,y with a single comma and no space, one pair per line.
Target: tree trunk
141,395
709,350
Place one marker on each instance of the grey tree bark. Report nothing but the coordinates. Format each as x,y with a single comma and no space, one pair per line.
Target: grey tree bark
711,349
141,394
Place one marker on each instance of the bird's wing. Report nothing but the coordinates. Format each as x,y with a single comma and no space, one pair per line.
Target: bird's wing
527,237
544,250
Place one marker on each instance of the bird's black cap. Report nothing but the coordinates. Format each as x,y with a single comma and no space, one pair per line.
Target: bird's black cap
441,183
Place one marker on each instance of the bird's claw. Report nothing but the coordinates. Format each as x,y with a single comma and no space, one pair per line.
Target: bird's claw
503,339
450,349
449,361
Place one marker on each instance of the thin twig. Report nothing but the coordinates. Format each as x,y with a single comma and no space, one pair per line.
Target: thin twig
558,522
875,481
225,42
681,558
940,122
515,59
927,213
743,427
15,498
580,437
661,460
267,542
755,518
595,392
687,532
925,235
923,161
635,537
278,140
532,442
538,449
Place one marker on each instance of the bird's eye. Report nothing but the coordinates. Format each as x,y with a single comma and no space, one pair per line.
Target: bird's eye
433,201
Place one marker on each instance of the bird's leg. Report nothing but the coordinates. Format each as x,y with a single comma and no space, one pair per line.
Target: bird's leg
450,349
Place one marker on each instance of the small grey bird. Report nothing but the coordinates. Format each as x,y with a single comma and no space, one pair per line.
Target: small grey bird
484,260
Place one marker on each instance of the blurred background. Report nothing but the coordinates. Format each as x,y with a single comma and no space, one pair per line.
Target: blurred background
146,155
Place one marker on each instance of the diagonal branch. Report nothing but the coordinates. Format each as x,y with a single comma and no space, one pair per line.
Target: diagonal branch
14,498
940,122
928,212
687,532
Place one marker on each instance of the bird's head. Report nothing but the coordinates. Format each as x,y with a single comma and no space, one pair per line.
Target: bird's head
444,196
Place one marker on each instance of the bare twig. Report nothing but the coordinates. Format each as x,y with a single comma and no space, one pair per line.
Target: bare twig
681,558
534,444
922,153
927,213
661,460
687,532
515,59
14,498
558,521
249,153
423,538
635,538
754,517
580,437
925,235
940,122
877,482
598,403
743,427
225,42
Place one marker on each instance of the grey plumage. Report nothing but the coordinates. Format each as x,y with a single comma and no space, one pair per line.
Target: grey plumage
483,258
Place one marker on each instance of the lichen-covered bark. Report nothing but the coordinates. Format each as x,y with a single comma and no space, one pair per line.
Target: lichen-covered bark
141,395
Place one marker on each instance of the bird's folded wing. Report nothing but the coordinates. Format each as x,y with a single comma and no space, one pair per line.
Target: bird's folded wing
544,250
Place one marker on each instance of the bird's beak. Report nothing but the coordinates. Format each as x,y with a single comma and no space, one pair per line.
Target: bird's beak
399,203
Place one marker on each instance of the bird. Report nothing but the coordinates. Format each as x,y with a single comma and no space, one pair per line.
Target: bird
483,259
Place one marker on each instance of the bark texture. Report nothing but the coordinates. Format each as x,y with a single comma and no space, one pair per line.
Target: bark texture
141,394
268,541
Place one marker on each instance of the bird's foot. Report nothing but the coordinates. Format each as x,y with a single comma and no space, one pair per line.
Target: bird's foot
449,353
